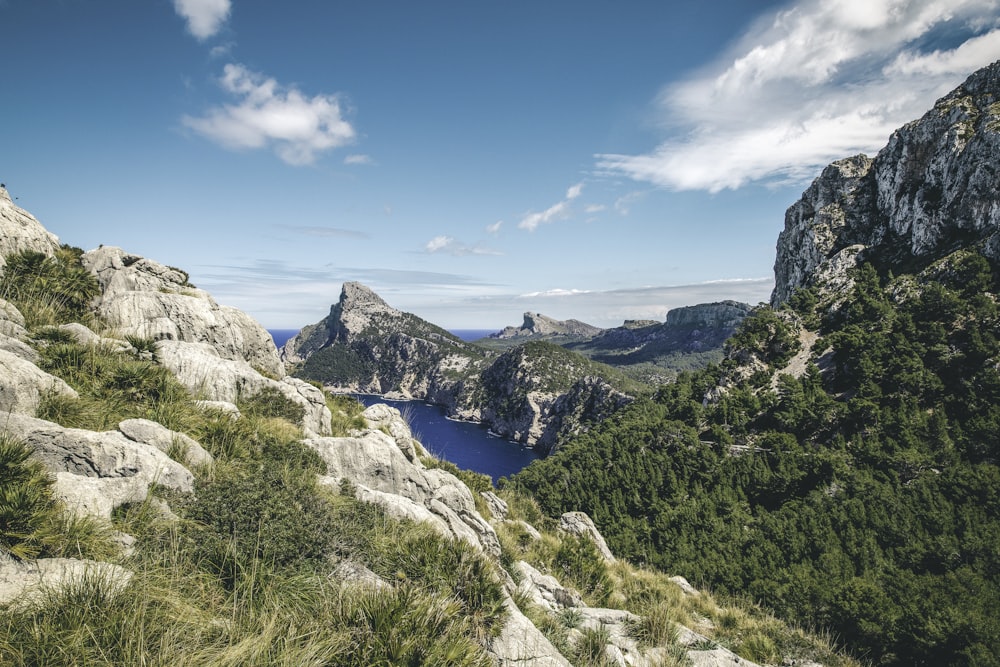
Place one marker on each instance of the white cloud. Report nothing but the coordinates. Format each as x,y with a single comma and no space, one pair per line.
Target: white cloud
204,17
556,293
594,208
495,227
359,159
451,246
298,128
557,211
813,83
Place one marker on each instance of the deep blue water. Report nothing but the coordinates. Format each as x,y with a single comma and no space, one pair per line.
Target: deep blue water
467,445
473,334
281,336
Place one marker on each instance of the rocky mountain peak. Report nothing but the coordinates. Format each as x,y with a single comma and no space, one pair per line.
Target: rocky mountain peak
536,324
931,189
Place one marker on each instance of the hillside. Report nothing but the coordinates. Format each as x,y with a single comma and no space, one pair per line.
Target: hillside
532,393
841,463
170,497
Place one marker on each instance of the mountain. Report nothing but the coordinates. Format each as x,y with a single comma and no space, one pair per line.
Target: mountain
690,338
534,394
536,326
932,189
842,461
169,496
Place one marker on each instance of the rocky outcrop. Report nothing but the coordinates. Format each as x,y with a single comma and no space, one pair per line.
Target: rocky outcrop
23,384
20,231
141,297
96,471
24,583
718,315
930,189
581,525
388,474
150,433
536,325
211,377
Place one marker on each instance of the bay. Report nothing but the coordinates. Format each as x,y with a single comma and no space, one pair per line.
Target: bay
466,444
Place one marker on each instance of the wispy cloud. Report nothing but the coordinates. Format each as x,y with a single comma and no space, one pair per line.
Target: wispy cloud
450,246
268,115
814,82
204,17
359,159
594,208
325,232
557,211
495,227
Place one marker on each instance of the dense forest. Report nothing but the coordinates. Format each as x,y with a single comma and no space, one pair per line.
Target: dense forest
859,495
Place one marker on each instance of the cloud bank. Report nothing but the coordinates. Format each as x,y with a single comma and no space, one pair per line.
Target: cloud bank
815,82
296,127
204,17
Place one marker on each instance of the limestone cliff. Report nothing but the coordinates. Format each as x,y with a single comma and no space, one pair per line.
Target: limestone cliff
367,346
536,325
19,230
931,189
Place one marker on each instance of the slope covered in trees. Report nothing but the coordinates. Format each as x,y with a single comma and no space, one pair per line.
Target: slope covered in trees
862,496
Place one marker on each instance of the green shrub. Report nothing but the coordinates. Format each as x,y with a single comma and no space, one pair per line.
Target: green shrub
26,501
49,290
270,402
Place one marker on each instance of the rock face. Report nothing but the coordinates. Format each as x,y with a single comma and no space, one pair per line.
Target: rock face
386,470
718,315
97,472
366,346
23,384
932,187
144,298
536,325
19,231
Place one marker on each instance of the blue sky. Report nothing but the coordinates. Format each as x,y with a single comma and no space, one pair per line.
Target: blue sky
469,161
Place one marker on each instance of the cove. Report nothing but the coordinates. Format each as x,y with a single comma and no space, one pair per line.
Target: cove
468,445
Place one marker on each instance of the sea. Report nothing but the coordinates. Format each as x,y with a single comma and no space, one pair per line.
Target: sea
468,445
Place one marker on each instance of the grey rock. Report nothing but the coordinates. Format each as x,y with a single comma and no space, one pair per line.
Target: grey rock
20,231
159,436
19,348
932,187
545,590
380,470
720,315
97,472
353,573
536,325
144,298
26,583
578,523
23,384
199,367
498,506
521,644
224,407
688,589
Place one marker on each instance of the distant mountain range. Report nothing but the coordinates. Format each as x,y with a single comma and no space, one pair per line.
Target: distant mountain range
536,384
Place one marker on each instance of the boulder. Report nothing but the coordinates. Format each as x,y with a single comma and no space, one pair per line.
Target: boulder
498,506
159,436
376,464
20,231
24,583
144,298
97,472
199,367
521,644
23,384
545,590
578,523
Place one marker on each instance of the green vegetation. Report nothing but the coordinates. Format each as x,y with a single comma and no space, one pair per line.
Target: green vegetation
242,574
49,290
862,497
